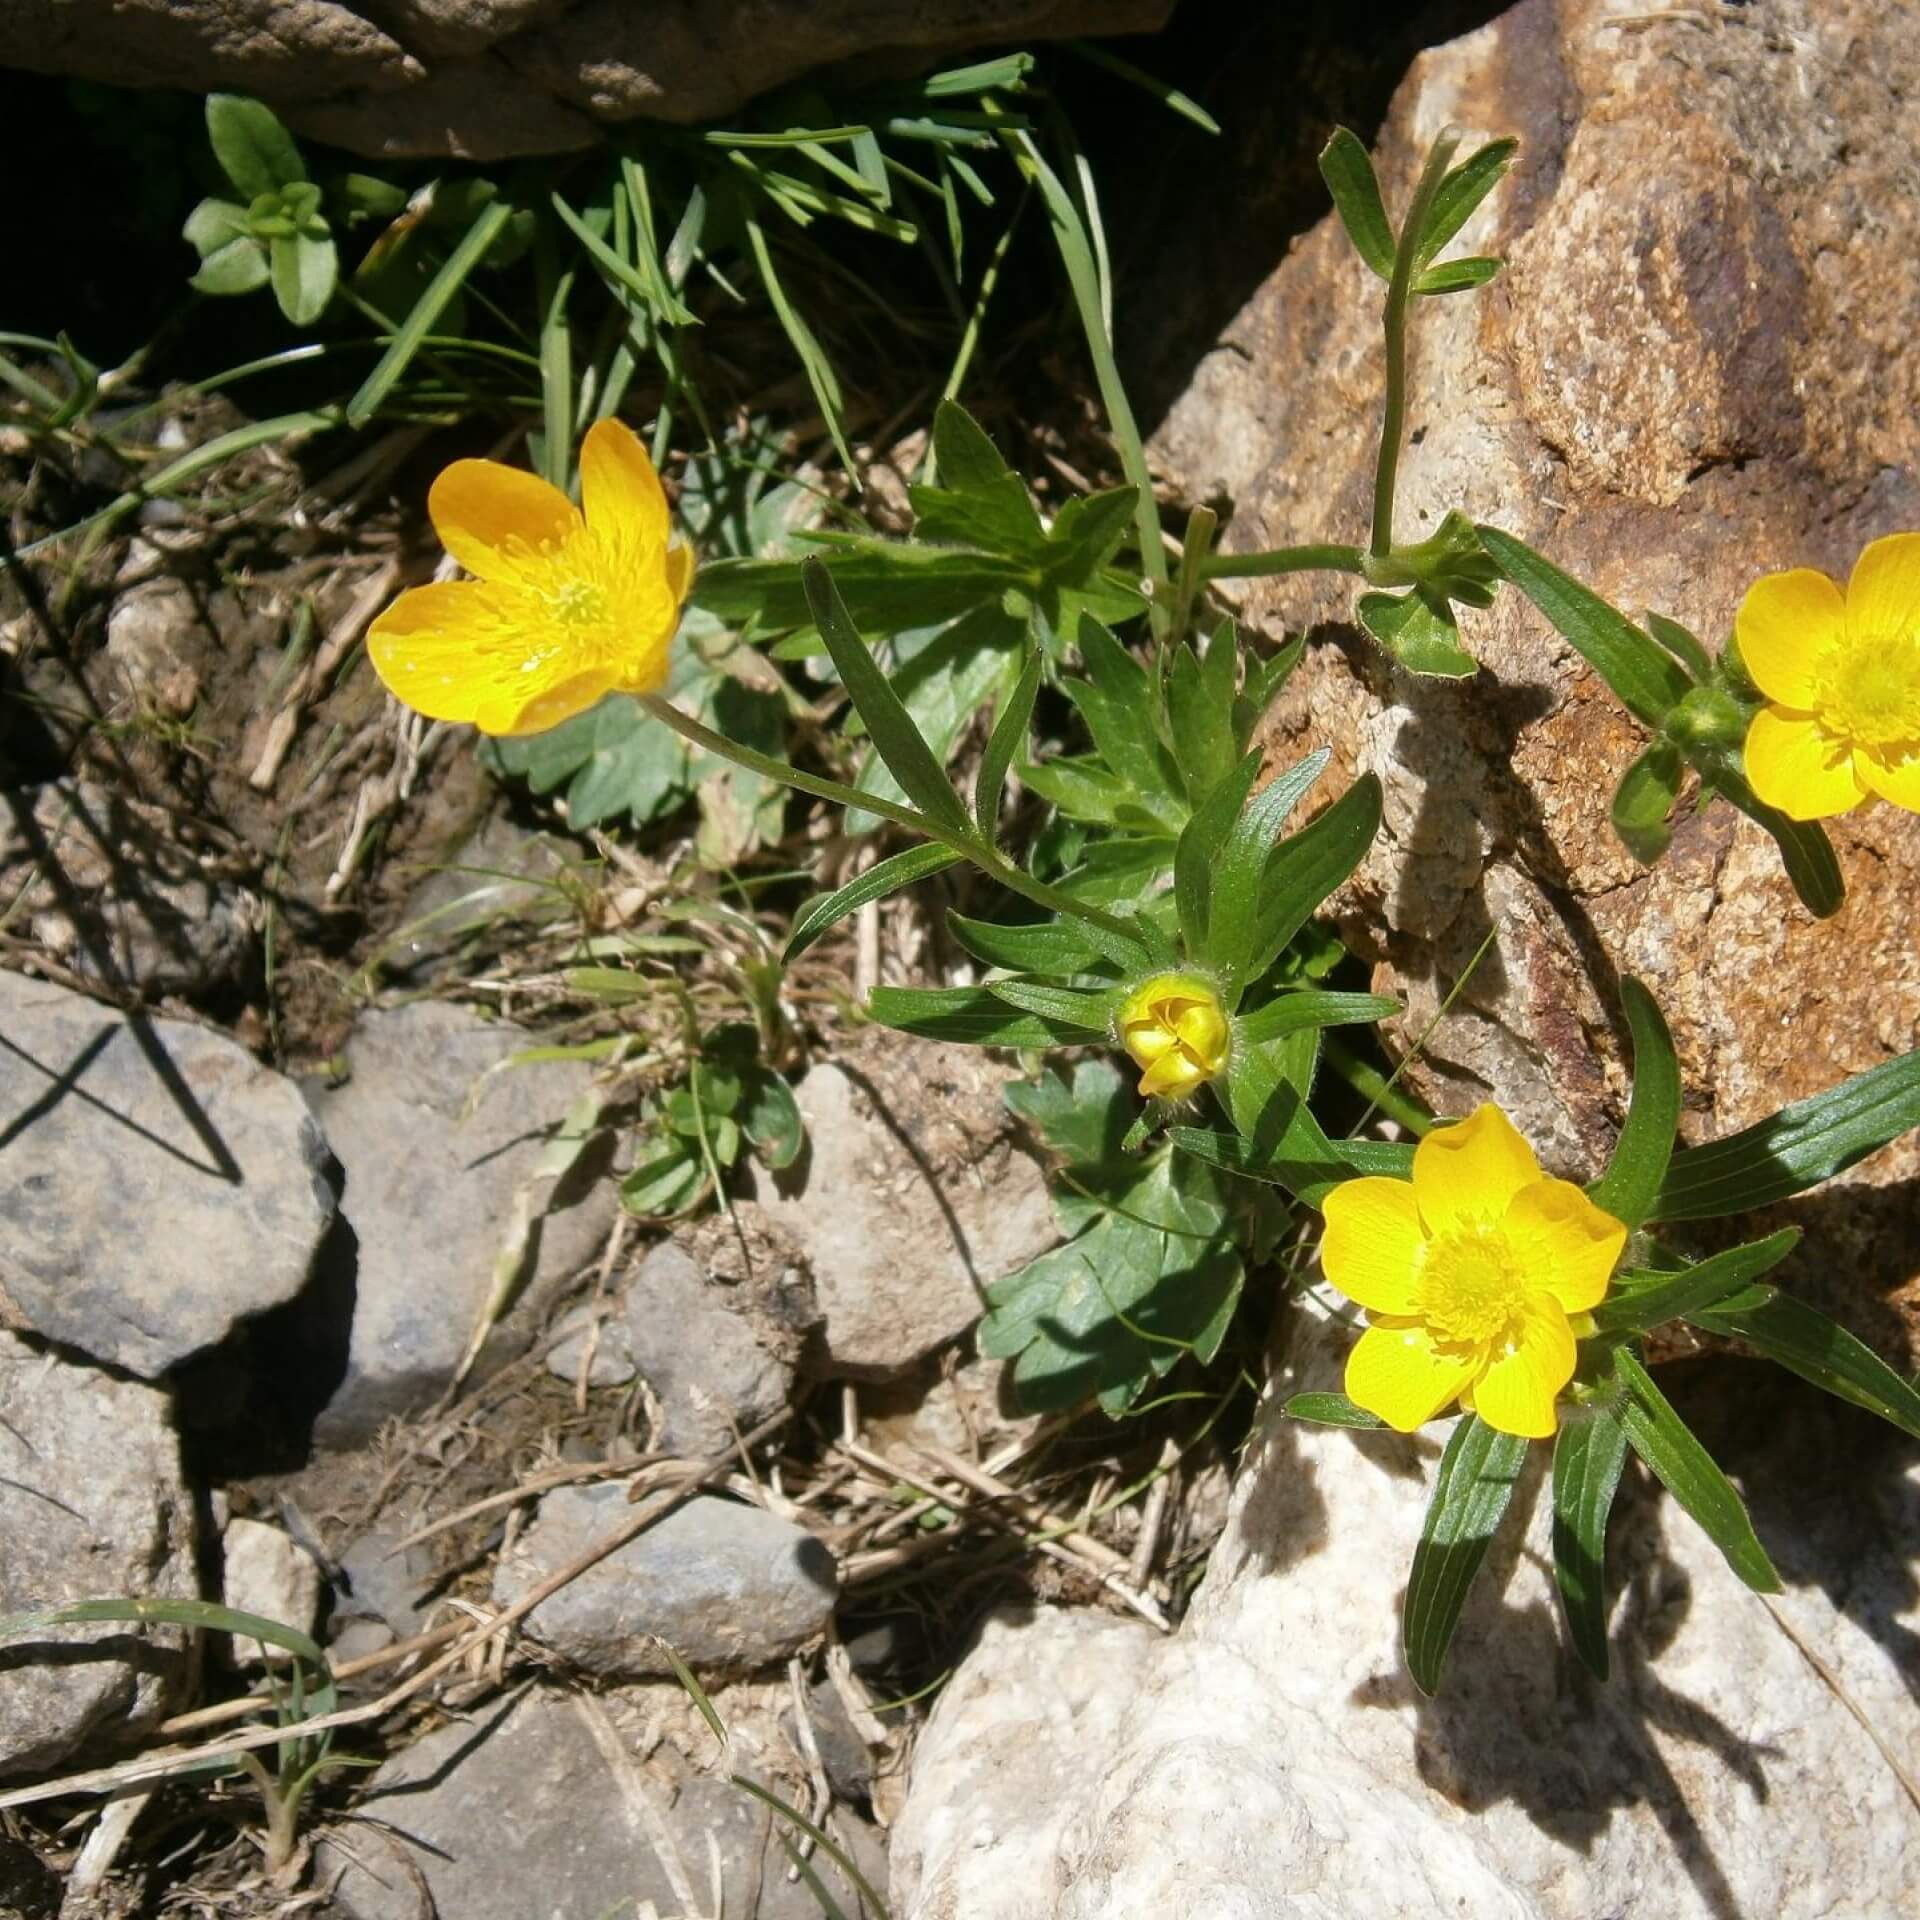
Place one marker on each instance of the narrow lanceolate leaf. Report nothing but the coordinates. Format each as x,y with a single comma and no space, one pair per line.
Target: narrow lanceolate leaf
1307,1164
1004,743
1470,1496
1643,802
970,1016
1679,642
1457,276
1331,1410
1587,1459
1682,1296
1348,171
1198,849
1805,851
1647,679
1241,881
1687,1471
1809,1344
897,740
1796,1148
1632,1180
1090,1012
1306,867
882,878
1046,946
1461,192
1293,1011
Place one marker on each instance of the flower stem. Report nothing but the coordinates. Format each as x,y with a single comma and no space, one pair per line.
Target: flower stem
1406,260
990,862
1246,566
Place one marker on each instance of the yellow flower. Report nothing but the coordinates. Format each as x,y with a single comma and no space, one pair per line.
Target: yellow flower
1469,1275
564,608
1842,680
1174,1026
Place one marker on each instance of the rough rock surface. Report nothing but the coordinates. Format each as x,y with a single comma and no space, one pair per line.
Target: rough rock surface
719,1355
1273,1756
92,1503
729,1587
914,1194
604,1356
1697,367
487,78
430,1192
157,1184
267,1573
122,893
542,1804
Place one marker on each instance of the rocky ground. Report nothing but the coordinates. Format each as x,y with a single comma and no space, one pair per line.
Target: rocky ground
318,1300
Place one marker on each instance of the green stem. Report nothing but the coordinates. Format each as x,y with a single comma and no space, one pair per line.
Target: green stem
1368,1081
1399,290
984,857
1247,566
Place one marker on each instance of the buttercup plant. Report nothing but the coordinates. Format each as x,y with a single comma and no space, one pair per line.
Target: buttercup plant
1163,911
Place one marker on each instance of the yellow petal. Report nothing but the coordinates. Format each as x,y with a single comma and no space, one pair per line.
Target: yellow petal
491,518
430,649
1202,1028
1891,775
1786,622
1566,1245
1372,1246
1398,1373
508,718
1517,1392
1171,1077
1148,1040
1883,596
645,669
679,573
1794,764
1471,1170
619,489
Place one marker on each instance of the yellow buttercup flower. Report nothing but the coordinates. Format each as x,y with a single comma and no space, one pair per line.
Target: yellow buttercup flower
565,606
1174,1026
1471,1275
1842,680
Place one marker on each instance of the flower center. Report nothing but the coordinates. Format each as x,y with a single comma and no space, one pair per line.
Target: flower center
1867,689
1471,1287
578,604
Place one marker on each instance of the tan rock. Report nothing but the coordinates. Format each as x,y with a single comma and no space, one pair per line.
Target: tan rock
1696,368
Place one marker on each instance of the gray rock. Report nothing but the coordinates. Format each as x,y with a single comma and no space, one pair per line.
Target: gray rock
158,639
914,1194
379,1584
118,892
729,1587
92,1506
267,1573
612,1363
483,79
160,1184
697,1347
500,873
519,1813
430,1193
1273,1756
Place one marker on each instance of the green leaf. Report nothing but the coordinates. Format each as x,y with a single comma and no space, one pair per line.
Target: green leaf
1200,697
1043,946
1082,1113
1588,1456
238,267
882,878
890,587
811,355
1681,1296
1090,1012
1681,644
1197,852
895,737
1796,1148
1457,276
770,1118
1687,1471
1265,678
1422,636
254,150
669,1180
1461,192
1470,1496
1805,850
1809,1344
964,457
214,224
1643,802
1006,742
996,519
1348,171
305,270
1307,866
1648,681
1240,903
1331,1410
1116,701
971,1016
1329,1162
1628,1188
1291,1012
